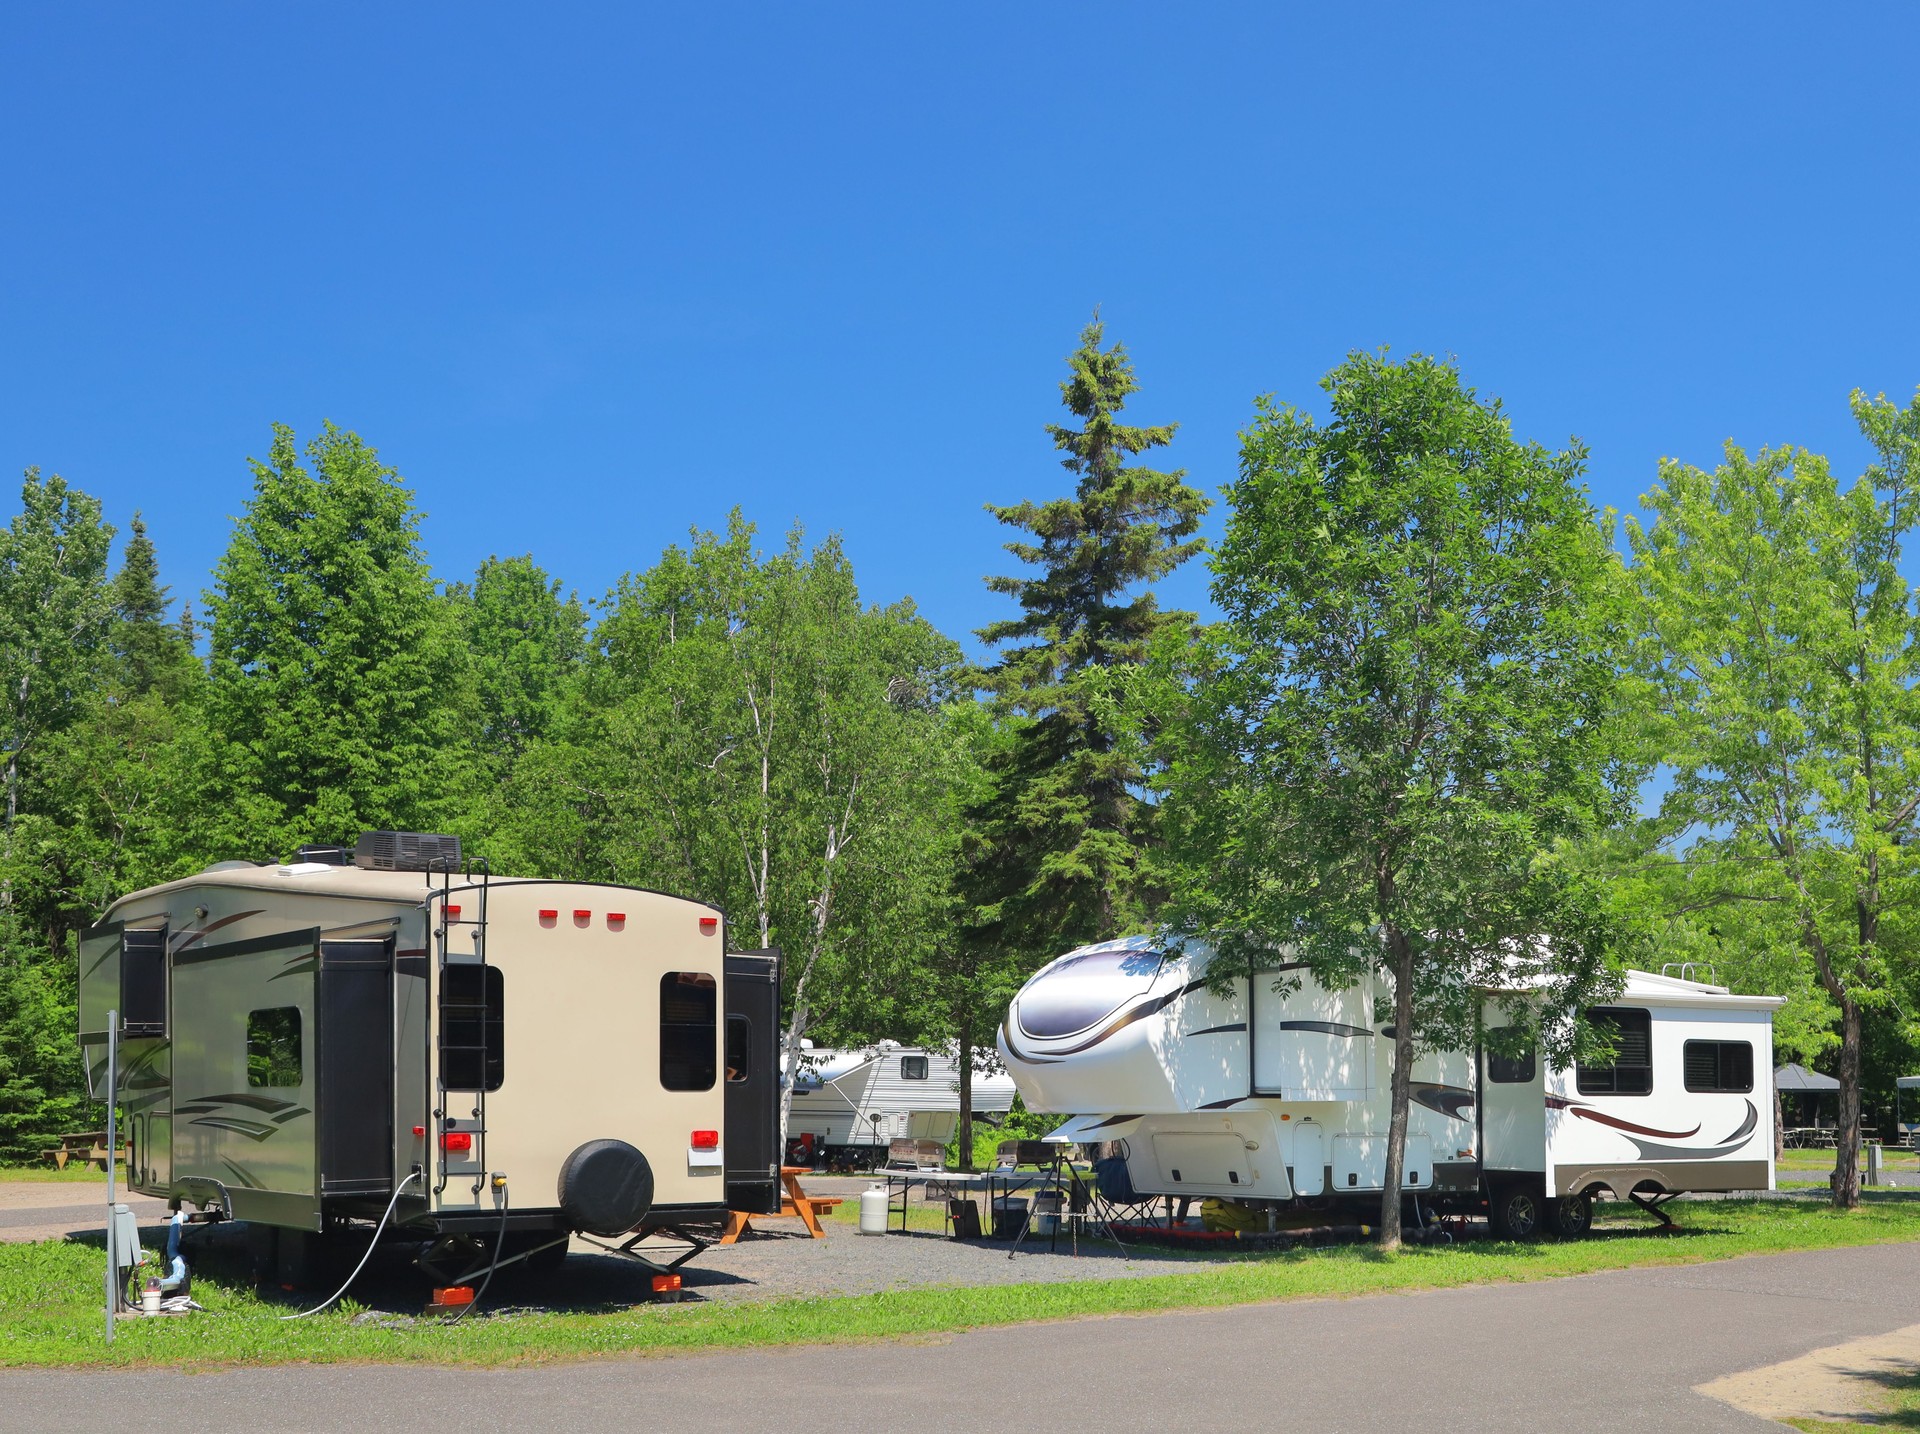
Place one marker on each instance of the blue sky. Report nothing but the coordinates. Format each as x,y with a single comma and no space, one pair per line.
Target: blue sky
589,276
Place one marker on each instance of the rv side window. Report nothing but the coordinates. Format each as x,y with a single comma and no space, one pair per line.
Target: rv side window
913,1068
473,1028
739,1046
273,1046
1510,1070
689,1013
1718,1065
1630,1031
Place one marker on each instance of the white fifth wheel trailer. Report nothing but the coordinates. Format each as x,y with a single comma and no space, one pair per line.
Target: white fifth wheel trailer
497,1062
855,1102
1282,1096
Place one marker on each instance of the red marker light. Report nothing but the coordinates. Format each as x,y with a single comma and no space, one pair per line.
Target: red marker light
453,913
706,1140
419,1130
583,916
709,924
456,1140
615,918
548,913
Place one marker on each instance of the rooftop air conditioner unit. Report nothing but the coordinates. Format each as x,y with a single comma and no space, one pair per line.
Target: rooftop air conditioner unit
406,851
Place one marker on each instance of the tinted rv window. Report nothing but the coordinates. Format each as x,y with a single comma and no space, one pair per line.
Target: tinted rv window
739,1048
1630,1031
273,1046
913,1068
689,1013
473,1028
1510,1070
1718,1065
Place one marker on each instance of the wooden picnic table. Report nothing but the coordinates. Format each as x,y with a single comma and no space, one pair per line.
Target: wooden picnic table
87,1145
795,1204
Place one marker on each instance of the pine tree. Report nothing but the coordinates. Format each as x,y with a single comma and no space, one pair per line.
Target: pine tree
1064,829
148,650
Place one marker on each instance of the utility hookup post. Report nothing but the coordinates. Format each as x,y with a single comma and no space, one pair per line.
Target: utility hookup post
113,1135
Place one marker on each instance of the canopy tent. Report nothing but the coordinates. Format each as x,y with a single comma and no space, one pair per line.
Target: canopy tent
1792,1078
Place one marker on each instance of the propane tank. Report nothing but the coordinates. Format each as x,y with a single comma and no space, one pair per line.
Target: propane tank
874,1206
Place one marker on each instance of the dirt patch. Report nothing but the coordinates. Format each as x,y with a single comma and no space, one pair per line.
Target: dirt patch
1844,1381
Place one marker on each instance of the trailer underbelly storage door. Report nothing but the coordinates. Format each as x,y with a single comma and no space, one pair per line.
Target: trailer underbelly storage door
355,1002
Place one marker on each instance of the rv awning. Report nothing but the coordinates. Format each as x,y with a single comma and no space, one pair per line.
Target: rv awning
1908,1082
1793,1077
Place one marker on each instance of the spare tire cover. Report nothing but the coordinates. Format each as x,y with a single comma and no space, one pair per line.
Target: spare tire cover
606,1187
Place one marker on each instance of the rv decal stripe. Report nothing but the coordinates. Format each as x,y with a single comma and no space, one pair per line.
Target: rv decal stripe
252,1129
1220,1030
188,938
1326,1028
252,945
302,966
240,1172
253,1102
1449,1100
1223,1104
1112,1120
1587,1112
1020,1055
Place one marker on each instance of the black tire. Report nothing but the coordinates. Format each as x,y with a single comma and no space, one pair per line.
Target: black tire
1515,1211
1570,1217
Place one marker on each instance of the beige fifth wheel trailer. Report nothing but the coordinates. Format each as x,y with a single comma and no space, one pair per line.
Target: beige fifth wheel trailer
501,1061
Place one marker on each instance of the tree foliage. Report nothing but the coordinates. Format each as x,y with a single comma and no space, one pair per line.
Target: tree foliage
335,696
1777,665
1405,715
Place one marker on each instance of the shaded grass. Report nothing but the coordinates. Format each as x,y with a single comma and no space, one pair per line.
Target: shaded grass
49,1312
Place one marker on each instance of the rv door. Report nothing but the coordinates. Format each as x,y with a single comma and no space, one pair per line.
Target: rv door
752,1136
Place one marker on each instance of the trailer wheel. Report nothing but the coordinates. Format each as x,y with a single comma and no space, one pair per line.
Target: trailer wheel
1571,1216
1514,1211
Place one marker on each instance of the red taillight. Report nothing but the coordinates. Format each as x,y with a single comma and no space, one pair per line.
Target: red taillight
709,924
706,1140
456,1140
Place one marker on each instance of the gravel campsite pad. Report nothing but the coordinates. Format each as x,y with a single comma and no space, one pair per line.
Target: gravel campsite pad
782,1264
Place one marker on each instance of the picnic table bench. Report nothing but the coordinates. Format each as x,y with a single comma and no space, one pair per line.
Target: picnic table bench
795,1203
87,1145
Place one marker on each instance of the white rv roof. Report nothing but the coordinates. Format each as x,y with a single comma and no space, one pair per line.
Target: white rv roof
404,887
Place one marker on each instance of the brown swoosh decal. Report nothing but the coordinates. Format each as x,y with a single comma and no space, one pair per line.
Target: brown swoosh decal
1587,1112
187,938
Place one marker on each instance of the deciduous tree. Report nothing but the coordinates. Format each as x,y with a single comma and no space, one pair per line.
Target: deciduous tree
1779,662
1405,713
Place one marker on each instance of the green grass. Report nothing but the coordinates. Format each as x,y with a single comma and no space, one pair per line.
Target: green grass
49,1303
74,1174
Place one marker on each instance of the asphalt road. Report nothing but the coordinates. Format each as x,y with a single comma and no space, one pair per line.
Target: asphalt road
1604,1353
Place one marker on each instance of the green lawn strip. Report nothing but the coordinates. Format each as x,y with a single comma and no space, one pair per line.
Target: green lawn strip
49,1313
46,1174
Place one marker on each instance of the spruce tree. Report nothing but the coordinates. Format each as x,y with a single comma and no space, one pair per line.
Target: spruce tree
1064,827
148,650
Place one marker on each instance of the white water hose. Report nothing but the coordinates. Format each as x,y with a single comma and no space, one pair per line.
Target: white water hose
371,1246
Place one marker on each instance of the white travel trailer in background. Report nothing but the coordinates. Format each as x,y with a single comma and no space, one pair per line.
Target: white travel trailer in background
854,1103
494,1062
1283,1096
